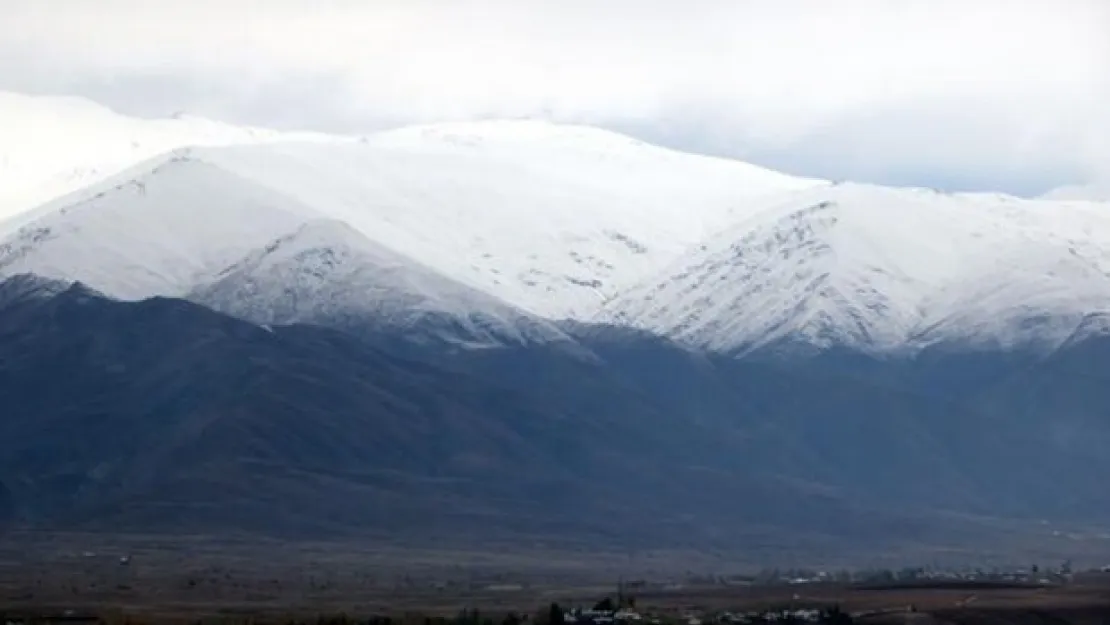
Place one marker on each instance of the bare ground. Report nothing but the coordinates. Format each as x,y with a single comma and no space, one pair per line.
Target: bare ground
226,579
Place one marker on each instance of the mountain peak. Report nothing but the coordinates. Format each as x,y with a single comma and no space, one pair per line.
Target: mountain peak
810,270
880,269
149,232
53,145
327,272
319,248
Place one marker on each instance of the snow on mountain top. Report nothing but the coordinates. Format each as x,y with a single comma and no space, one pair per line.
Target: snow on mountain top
1031,280
1094,324
327,272
51,146
817,267
551,234
517,138
551,219
156,233
321,233
879,268
506,131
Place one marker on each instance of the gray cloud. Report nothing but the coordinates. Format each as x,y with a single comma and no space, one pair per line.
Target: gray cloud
955,94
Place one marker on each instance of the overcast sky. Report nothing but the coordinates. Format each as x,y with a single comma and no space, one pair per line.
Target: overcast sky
973,94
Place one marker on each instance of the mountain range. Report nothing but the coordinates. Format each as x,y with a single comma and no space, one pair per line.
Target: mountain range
519,330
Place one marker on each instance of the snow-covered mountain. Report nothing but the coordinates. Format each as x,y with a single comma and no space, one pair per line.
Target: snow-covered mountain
51,146
553,219
548,218
328,273
883,270
158,230
497,224
1093,325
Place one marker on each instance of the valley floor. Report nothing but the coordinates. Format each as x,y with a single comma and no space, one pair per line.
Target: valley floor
139,580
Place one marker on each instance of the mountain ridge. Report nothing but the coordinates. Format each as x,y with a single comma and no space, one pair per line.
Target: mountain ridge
549,235
52,145
157,231
328,273
925,276
883,270
518,329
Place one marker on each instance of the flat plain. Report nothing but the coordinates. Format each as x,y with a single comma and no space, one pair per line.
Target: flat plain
143,580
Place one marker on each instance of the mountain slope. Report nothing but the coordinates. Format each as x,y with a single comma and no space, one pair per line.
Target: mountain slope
549,218
1054,425
882,270
329,274
23,288
175,416
162,415
169,223
558,220
51,146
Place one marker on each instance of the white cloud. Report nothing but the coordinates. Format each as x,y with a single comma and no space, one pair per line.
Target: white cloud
988,88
